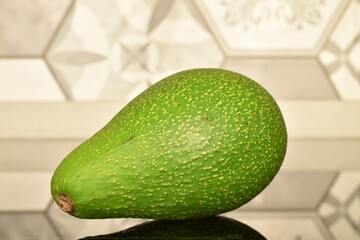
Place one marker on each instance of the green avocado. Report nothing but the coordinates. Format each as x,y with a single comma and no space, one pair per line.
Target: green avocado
220,228
198,143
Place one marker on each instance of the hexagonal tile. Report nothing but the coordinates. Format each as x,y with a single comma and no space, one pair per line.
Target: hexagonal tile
270,27
128,47
340,56
27,27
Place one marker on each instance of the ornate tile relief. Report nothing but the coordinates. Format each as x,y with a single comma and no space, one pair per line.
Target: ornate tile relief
117,50
263,27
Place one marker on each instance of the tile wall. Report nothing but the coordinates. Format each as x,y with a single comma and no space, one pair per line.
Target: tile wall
67,66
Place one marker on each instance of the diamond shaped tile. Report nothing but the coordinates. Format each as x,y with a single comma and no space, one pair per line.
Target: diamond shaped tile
128,47
270,27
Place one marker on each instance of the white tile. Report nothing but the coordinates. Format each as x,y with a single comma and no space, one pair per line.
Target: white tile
27,80
354,56
348,27
346,84
345,185
343,230
24,191
329,119
327,57
27,27
326,209
343,200
322,154
67,120
321,119
286,78
287,190
34,154
353,209
26,225
130,43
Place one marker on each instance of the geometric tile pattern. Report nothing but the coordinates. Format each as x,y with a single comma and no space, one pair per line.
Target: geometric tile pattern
340,56
306,53
117,50
340,210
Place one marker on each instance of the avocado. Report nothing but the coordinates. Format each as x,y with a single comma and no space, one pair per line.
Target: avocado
198,143
206,228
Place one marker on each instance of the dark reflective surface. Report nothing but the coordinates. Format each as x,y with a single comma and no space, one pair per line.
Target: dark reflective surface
207,228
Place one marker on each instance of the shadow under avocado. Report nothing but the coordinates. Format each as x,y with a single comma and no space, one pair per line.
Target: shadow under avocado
206,228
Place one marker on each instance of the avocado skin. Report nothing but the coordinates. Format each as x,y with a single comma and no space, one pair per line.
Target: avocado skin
205,228
197,143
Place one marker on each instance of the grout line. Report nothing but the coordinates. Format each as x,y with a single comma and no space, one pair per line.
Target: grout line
210,30
331,25
26,57
63,87
51,222
59,27
328,77
53,225
322,227
327,191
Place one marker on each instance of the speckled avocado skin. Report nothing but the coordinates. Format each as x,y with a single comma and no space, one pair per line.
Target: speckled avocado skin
198,143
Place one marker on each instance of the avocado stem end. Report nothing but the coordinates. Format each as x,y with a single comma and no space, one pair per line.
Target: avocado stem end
65,204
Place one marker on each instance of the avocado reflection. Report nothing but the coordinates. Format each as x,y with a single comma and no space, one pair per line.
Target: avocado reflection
206,228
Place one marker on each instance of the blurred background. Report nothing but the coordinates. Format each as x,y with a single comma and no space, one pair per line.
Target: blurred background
67,66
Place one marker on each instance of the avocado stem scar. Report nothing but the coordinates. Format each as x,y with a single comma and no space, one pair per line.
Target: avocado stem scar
65,203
